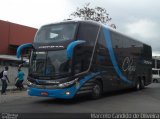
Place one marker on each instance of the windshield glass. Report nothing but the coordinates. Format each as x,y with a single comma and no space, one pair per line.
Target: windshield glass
56,32
49,63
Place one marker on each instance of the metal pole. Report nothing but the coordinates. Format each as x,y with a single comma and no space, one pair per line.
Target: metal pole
155,63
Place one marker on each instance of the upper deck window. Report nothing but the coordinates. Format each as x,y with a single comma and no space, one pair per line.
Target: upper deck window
56,32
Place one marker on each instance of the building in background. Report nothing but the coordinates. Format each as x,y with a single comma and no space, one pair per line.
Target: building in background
156,69
11,36
156,62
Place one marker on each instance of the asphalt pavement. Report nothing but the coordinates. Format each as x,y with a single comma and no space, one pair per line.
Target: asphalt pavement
128,101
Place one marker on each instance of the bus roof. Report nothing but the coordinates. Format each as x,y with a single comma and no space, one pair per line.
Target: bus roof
97,23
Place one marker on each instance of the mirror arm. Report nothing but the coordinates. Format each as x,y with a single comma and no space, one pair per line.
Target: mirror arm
21,47
71,47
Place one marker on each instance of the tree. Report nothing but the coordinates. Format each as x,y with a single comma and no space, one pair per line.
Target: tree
98,14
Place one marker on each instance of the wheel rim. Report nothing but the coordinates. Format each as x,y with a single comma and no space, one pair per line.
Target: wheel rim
142,84
138,85
96,90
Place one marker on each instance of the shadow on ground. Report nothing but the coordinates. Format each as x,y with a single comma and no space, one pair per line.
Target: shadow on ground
86,98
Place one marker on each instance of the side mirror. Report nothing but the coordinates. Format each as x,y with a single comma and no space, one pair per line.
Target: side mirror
21,47
71,47
19,52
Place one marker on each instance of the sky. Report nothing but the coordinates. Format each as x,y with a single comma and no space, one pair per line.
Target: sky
139,19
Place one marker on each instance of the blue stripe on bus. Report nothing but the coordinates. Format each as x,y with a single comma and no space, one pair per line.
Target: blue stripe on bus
21,47
112,56
87,78
71,46
61,93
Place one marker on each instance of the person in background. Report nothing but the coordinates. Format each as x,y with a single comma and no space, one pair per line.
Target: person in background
4,81
19,79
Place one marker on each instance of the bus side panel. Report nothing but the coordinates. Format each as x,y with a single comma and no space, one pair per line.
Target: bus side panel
128,58
102,62
133,57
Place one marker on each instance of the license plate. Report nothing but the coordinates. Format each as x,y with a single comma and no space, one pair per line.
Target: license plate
44,93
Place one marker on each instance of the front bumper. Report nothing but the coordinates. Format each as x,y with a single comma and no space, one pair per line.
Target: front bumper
66,93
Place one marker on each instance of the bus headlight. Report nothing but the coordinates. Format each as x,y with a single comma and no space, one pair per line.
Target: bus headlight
62,85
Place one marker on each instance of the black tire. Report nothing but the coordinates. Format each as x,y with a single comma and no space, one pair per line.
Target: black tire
97,90
155,81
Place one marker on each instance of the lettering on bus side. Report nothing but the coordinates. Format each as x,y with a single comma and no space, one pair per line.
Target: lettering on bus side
127,64
147,62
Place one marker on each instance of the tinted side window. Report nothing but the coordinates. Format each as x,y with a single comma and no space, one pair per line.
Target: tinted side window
118,47
102,54
147,52
117,41
88,32
124,46
83,53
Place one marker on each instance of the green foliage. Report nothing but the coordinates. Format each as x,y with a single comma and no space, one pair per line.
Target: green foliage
98,14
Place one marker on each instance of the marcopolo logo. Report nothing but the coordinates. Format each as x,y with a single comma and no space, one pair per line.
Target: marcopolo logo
128,64
53,46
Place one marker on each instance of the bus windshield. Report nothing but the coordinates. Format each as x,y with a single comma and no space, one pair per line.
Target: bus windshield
56,32
49,63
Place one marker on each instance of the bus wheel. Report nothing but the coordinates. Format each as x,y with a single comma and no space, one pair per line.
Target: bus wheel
138,85
142,84
97,90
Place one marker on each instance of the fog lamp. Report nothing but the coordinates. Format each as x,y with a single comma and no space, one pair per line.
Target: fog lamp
67,93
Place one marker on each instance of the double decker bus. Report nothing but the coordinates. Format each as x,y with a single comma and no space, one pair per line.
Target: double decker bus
71,58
